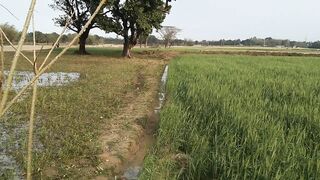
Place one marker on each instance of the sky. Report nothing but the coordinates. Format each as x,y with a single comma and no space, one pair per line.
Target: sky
208,19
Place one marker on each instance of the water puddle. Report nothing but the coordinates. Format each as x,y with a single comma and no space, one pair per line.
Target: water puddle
132,173
9,168
10,135
11,140
162,90
22,78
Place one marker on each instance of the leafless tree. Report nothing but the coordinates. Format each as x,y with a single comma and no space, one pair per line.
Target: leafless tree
169,33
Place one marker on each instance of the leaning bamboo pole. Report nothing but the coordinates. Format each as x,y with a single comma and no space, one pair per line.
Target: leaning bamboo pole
53,61
33,107
16,56
14,48
2,65
4,106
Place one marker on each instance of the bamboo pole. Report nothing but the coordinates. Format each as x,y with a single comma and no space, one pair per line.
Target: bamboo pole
55,59
33,107
11,44
2,66
57,41
16,57
34,82
31,127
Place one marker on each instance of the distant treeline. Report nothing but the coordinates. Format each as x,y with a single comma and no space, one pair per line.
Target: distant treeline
50,38
267,42
154,41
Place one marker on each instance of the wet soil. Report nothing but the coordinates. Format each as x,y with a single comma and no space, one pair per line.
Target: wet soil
130,135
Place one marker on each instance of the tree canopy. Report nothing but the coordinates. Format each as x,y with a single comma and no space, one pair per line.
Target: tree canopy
80,12
134,18
11,32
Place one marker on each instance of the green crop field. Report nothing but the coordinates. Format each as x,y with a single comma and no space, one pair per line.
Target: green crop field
239,117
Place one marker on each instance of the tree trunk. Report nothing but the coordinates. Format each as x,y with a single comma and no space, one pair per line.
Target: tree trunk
167,44
126,48
82,46
82,43
141,39
146,43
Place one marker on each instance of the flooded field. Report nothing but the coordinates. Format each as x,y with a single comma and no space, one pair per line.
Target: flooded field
10,139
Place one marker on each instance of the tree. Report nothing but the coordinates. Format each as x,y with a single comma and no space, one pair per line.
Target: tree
80,11
52,37
133,19
143,39
40,37
168,33
153,40
315,45
10,31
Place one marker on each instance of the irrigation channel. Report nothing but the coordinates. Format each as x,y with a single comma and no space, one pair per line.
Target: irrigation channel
133,172
9,134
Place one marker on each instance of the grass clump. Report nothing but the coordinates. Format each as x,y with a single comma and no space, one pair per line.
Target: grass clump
239,117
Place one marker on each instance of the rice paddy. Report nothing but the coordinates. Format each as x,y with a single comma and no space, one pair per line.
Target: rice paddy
225,117
239,117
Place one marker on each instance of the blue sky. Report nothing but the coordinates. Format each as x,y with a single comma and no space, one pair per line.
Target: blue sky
210,19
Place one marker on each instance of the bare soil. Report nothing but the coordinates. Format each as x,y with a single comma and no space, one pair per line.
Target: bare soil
27,48
130,133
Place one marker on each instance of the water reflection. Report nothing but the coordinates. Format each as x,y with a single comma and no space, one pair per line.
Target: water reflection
22,78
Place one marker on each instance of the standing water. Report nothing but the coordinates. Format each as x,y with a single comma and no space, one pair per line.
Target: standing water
22,78
11,141
162,91
132,173
9,169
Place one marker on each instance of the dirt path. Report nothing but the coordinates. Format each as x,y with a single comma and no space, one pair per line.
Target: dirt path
26,48
129,134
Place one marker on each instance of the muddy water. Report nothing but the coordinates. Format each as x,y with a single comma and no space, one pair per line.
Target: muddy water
11,141
9,134
8,165
162,91
22,78
9,168
133,172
